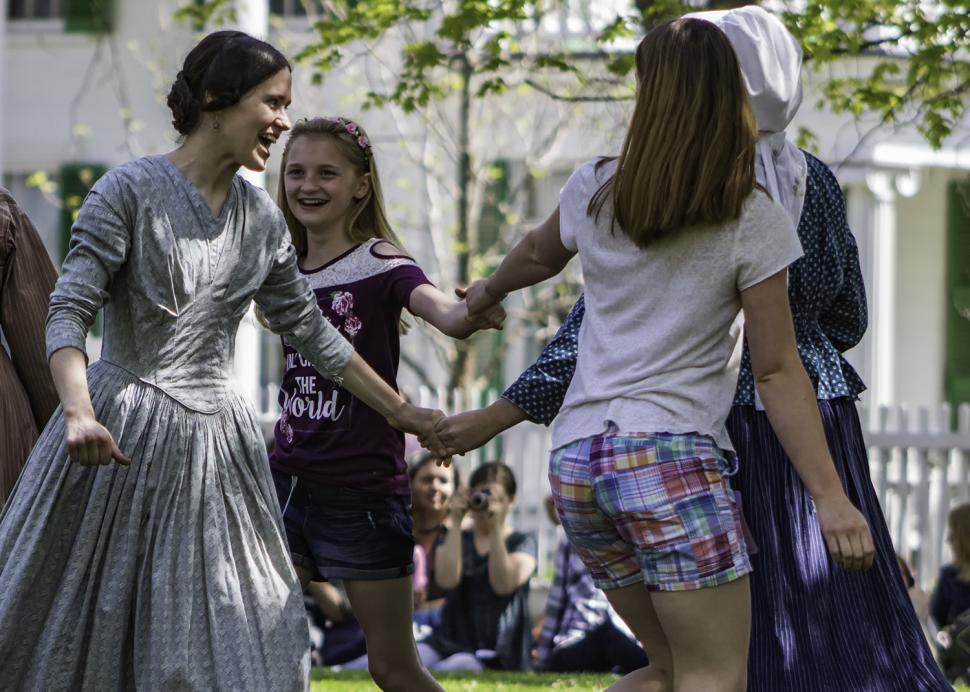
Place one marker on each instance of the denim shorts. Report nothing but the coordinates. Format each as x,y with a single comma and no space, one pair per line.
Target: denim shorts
651,508
342,533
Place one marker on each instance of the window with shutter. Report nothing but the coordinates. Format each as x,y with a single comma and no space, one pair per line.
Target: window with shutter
88,16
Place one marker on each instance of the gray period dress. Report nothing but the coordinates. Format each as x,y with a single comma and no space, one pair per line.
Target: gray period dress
172,573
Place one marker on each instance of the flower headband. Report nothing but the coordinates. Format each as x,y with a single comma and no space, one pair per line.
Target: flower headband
354,130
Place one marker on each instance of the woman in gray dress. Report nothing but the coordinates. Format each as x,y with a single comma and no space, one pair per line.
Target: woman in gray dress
142,546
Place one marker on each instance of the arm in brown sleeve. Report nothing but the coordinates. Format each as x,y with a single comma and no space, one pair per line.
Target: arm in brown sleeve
26,283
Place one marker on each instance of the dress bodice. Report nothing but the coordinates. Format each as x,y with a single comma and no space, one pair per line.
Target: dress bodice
176,279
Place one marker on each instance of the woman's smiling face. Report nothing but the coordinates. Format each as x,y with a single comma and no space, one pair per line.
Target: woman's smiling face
249,128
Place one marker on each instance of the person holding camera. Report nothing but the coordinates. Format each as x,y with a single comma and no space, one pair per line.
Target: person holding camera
485,618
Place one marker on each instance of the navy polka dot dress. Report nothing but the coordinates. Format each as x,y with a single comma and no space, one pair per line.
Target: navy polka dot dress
815,626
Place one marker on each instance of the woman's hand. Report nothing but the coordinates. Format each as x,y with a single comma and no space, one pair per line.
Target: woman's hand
495,515
420,422
490,318
457,507
470,430
463,432
846,532
89,443
478,299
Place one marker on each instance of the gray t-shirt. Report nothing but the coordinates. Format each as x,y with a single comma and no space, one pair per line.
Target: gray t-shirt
659,344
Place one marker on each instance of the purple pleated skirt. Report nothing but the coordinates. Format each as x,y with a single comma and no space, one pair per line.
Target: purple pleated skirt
816,626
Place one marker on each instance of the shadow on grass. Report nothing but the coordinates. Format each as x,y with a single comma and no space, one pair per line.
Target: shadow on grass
359,681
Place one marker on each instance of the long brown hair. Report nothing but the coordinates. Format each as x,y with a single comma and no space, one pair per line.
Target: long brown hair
367,217
688,156
959,524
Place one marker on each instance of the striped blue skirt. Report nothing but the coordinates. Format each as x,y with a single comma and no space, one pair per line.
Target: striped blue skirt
816,626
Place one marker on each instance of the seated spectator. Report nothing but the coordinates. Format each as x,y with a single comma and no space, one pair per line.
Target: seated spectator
485,618
951,597
580,630
432,487
950,604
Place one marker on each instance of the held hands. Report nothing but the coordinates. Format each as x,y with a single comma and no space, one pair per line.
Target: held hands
421,422
89,443
464,432
478,299
846,533
492,317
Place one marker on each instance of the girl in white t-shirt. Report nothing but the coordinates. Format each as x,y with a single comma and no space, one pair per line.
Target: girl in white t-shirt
675,240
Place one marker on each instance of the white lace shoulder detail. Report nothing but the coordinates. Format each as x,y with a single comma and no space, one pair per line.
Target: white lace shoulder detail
360,263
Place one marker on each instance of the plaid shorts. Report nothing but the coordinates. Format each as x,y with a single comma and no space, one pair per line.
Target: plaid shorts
655,508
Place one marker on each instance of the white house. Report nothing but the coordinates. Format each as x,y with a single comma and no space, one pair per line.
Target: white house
73,99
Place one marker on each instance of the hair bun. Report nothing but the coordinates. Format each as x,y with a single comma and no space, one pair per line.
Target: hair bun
186,108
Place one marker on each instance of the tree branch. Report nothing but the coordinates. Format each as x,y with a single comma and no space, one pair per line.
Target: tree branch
574,99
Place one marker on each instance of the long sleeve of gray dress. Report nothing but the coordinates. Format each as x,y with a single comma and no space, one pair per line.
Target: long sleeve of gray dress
100,241
290,309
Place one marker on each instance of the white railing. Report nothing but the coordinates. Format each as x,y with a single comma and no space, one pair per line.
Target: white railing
920,469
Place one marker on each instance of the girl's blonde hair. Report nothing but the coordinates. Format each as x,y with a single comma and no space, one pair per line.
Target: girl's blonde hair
959,523
367,217
688,156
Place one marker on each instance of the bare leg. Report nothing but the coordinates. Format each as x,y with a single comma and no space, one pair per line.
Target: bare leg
635,607
708,631
384,610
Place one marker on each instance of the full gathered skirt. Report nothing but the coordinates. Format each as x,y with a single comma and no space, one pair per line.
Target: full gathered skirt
816,626
169,574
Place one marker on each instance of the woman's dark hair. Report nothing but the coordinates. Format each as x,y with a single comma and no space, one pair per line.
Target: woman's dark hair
422,459
494,472
217,73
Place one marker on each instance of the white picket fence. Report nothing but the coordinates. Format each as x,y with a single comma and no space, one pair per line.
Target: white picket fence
920,469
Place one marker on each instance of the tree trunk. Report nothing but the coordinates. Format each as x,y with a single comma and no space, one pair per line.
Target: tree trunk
463,369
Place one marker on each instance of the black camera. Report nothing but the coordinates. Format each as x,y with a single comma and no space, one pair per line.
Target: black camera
478,502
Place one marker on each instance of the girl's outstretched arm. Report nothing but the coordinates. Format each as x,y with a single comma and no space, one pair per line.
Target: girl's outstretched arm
537,257
449,316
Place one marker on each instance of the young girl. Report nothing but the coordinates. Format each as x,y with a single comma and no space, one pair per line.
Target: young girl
339,467
674,239
486,570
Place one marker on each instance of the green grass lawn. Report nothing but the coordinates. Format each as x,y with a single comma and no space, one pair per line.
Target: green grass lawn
324,680
354,681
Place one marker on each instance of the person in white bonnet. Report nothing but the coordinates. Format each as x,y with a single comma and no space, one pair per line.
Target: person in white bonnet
814,625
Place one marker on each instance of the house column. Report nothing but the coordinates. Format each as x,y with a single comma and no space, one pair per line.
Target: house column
872,215
252,16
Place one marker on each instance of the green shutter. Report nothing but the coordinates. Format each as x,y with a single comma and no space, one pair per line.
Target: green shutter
88,16
76,179
957,374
